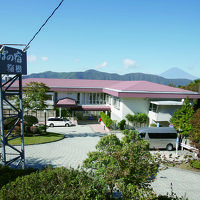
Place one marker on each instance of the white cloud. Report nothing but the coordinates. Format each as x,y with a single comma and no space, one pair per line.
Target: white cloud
104,64
44,58
32,58
129,63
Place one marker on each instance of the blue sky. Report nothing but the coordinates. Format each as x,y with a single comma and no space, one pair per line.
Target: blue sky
115,36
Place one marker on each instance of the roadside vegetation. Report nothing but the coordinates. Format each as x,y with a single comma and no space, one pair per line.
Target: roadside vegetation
121,169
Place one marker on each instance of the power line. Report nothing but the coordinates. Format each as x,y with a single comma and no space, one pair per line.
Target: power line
27,46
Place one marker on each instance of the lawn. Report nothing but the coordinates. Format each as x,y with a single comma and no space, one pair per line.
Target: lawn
39,139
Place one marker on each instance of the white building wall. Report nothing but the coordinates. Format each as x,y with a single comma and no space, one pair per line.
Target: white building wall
131,106
116,113
134,105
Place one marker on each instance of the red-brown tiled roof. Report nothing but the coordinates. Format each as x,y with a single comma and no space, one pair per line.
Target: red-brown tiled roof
131,88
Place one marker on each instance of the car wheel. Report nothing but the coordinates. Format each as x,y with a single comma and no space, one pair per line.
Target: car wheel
67,125
51,125
169,147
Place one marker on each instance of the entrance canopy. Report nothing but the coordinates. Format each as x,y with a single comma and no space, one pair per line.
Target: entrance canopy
66,103
91,108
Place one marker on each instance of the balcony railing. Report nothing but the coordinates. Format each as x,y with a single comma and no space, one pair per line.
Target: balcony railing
159,116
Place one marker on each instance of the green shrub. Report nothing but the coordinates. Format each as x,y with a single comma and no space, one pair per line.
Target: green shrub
29,120
153,125
42,128
35,130
122,124
8,123
106,119
195,164
58,183
8,174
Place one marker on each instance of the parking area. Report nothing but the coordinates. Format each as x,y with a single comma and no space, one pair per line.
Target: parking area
82,138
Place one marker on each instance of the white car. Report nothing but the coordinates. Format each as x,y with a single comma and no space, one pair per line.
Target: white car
56,121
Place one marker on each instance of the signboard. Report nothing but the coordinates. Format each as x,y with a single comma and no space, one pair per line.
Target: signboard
171,126
13,61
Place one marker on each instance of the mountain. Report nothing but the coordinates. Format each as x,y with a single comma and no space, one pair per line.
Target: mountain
176,73
93,74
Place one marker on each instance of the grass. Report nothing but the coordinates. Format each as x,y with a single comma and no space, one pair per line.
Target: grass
39,139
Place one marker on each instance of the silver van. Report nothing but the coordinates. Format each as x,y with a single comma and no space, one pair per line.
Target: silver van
159,137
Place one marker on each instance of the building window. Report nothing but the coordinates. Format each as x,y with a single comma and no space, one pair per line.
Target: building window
116,103
153,107
108,99
50,96
78,98
96,98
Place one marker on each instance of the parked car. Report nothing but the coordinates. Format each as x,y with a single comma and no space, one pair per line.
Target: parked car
56,121
159,137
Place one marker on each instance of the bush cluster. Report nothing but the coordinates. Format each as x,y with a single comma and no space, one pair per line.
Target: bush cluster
195,164
139,118
106,119
8,174
29,127
58,183
9,123
122,124
29,120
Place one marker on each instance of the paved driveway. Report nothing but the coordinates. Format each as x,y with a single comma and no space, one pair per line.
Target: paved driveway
183,182
80,139
69,152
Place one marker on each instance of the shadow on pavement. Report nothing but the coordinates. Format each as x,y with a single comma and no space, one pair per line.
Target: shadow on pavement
87,122
33,163
96,134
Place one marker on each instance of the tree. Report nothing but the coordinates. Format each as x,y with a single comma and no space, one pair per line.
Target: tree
195,132
125,164
141,118
193,86
34,96
181,118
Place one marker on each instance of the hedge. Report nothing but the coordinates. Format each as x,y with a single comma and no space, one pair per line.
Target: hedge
58,183
8,174
106,119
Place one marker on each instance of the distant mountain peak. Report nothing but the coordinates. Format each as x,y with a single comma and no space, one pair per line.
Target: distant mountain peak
177,73
98,75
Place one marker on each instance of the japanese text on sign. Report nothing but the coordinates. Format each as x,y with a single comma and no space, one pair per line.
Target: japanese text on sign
13,61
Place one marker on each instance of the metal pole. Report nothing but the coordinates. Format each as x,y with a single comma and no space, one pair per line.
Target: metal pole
21,122
60,112
45,120
1,124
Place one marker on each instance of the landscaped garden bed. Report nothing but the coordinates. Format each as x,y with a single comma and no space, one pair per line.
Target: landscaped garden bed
38,139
